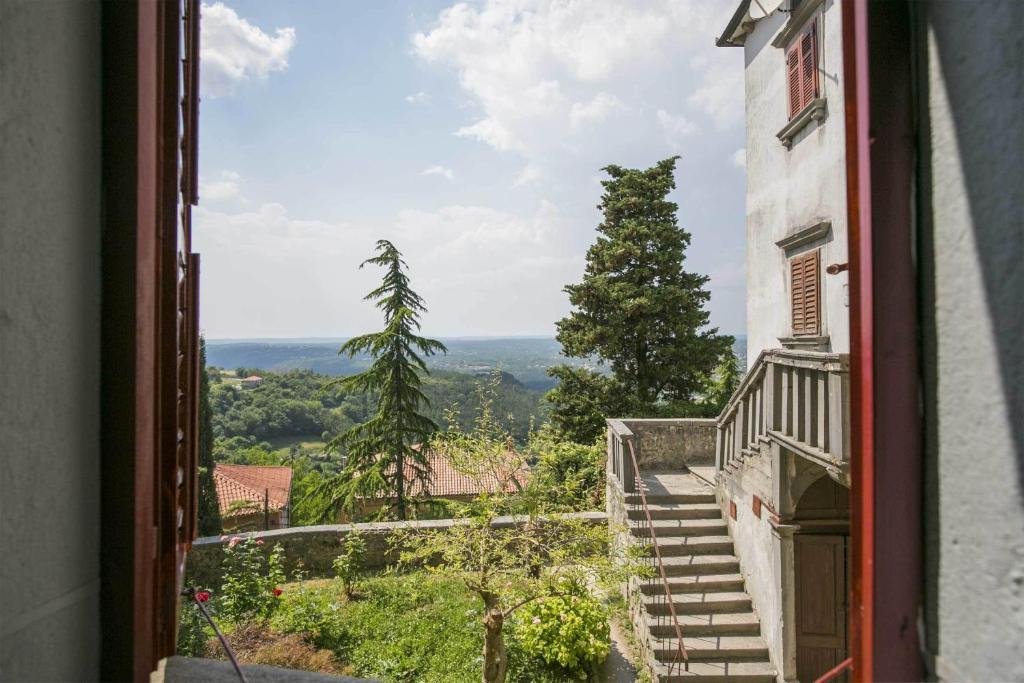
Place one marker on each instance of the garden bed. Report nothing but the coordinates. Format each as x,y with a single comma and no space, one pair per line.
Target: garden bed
400,628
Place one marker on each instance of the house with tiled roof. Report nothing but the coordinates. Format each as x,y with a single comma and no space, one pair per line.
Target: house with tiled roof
460,482
253,497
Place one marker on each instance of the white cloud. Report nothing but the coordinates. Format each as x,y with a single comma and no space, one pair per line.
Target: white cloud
269,273
677,127
442,171
720,96
417,98
596,110
531,173
233,51
739,158
227,186
554,80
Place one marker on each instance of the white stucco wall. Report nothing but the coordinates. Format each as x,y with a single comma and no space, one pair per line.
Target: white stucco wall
789,189
757,546
49,339
971,253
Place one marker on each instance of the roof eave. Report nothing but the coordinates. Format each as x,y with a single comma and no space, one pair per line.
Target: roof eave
734,33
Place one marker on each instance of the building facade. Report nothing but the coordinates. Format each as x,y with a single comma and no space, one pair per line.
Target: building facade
783,451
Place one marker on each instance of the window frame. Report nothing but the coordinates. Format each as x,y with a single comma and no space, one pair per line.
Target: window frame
807,86
801,267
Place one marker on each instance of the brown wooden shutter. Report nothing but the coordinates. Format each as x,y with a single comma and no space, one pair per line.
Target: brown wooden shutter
808,65
805,294
793,75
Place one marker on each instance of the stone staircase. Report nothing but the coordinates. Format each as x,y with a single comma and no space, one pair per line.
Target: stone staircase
720,630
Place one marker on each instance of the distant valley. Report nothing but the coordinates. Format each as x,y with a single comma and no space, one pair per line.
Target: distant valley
525,358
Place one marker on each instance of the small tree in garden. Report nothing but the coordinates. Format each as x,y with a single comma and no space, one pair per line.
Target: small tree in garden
381,457
509,566
349,564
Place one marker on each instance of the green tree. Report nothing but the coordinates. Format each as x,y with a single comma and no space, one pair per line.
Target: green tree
723,383
582,400
637,309
543,554
380,453
209,510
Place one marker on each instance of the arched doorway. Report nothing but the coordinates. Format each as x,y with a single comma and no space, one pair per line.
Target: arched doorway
822,578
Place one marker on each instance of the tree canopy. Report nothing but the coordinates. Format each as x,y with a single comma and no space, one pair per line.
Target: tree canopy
637,309
381,458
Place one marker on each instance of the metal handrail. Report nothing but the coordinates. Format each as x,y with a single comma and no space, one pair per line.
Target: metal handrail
833,673
657,554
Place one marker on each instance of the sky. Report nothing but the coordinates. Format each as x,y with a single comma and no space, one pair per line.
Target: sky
472,135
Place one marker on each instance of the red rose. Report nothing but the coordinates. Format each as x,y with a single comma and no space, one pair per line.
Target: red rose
202,596
277,592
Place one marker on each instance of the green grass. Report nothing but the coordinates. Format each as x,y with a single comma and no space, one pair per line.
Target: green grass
281,444
411,628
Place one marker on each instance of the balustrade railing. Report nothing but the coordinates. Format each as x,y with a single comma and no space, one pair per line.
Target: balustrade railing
796,398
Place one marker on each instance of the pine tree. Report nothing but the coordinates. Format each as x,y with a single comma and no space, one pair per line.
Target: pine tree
380,452
637,309
209,510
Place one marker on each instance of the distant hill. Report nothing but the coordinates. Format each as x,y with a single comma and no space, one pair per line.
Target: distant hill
525,358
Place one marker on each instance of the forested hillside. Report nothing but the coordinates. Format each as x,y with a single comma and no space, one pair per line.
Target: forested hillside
295,405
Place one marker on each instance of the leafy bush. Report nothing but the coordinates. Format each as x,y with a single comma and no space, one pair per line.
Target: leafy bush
349,564
251,589
572,473
571,631
312,614
193,629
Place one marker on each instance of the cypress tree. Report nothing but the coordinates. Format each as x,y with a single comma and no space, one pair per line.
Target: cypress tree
209,510
637,309
381,460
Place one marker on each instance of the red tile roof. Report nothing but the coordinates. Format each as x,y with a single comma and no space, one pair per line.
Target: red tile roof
447,480
249,483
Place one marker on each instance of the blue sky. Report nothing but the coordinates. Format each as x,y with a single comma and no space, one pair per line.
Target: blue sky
471,135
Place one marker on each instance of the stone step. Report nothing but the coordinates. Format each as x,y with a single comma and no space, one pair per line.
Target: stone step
717,672
692,565
699,603
671,511
676,546
722,583
713,649
725,624
664,528
671,498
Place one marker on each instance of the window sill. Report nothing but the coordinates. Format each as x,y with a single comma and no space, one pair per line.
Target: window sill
815,111
805,343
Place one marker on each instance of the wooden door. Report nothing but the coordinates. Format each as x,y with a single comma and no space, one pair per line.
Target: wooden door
821,604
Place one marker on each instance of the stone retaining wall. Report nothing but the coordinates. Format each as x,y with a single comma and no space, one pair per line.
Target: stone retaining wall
317,546
671,444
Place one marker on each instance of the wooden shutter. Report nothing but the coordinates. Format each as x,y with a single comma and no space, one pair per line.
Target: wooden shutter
793,75
808,65
802,69
806,294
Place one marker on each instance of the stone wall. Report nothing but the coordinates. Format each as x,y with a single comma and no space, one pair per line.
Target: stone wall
671,444
317,546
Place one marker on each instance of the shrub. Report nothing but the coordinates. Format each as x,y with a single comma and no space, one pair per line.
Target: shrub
250,591
573,473
312,614
349,564
571,631
193,630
